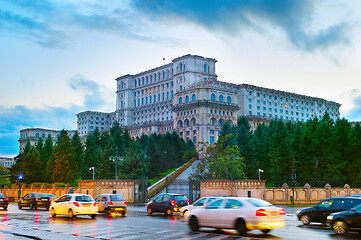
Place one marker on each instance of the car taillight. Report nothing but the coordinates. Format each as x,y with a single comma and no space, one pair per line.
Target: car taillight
5,199
261,213
76,204
125,202
172,202
282,211
187,202
94,204
36,199
110,203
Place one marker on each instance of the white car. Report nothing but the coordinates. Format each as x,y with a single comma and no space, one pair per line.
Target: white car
240,213
73,205
200,203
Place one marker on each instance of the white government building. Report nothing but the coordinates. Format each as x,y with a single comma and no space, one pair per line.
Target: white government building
186,96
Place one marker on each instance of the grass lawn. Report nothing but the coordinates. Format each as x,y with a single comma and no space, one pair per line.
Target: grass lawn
163,174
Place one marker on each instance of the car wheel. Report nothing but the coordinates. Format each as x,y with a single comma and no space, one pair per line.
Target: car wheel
52,212
149,211
19,206
93,216
70,213
169,212
266,230
339,227
305,219
241,227
193,223
31,206
107,211
123,213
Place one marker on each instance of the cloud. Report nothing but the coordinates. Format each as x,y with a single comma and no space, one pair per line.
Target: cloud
13,119
234,17
51,24
354,114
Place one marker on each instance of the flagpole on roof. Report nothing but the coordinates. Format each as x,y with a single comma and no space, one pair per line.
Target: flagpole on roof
164,60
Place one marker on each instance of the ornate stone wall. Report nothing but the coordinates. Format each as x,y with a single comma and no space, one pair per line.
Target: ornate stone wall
91,187
276,195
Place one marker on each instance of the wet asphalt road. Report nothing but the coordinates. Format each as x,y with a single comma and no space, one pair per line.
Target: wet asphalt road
38,224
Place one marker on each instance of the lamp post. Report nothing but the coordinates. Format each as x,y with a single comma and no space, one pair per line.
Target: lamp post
115,160
93,168
259,173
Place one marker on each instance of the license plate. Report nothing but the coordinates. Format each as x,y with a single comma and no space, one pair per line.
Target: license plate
86,204
119,209
273,214
45,200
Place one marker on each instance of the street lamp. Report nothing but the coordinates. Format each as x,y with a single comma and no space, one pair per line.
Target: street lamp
115,160
259,173
93,168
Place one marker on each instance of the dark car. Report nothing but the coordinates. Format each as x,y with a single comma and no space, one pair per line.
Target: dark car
4,202
167,203
35,201
321,210
341,222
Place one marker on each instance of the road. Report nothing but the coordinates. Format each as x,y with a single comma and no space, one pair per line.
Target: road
38,224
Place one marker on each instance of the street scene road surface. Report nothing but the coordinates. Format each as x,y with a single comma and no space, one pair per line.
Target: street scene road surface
38,224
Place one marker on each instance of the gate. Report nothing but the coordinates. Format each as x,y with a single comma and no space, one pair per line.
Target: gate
140,191
190,188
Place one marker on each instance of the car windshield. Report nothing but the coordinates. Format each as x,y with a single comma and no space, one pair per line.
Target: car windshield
42,195
83,199
180,198
115,198
2,196
51,195
259,203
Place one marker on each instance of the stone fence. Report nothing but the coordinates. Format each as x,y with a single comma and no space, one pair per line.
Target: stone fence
275,195
91,187
307,194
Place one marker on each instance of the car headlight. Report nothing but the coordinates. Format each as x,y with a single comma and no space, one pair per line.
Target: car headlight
329,217
297,212
186,213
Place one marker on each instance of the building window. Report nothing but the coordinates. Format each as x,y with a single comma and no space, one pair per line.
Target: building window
194,139
220,123
229,99
211,139
211,131
180,100
205,68
187,98
221,98
193,97
213,97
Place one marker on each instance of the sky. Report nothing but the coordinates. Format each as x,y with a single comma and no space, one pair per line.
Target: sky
58,58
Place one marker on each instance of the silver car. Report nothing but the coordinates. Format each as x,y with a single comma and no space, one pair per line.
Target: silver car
109,203
200,203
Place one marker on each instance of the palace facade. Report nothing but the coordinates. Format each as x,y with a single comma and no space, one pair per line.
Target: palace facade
186,96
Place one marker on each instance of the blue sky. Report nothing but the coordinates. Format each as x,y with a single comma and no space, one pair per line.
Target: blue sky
58,58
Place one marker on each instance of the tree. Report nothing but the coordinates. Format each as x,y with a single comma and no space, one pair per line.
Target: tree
133,165
217,162
65,168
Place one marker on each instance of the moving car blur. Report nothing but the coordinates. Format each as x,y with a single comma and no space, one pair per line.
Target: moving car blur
240,213
167,203
321,210
342,222
73,205
200,203
109,203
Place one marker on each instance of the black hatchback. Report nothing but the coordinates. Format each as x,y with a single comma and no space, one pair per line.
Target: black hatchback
321,210
35,200
167,203
341,222
4,202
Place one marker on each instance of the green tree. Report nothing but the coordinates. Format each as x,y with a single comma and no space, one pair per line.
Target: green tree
65,168
217,162
133,165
